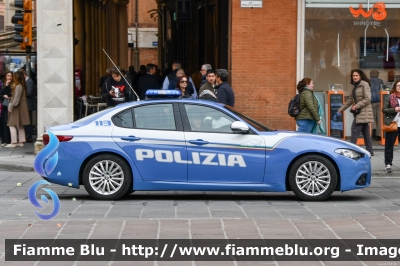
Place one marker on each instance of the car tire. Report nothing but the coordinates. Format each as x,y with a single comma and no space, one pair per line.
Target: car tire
313,178
107,177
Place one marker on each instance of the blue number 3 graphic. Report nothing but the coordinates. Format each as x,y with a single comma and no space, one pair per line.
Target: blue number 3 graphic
47,159
32,198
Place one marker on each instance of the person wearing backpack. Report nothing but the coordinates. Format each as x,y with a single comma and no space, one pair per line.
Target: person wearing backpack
308,116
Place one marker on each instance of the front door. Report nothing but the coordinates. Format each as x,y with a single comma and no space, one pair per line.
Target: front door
215,153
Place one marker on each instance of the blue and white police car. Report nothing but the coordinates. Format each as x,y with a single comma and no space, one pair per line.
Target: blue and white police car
198,145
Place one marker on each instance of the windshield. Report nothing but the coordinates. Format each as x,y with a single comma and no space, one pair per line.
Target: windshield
252,122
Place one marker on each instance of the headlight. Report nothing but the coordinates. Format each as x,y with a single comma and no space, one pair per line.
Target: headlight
349,153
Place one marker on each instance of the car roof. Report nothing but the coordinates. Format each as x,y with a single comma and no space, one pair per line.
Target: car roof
183,100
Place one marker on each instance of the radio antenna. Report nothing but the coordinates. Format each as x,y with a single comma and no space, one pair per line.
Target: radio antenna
137,96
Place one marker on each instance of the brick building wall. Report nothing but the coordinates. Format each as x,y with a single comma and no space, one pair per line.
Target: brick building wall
263,54
146,55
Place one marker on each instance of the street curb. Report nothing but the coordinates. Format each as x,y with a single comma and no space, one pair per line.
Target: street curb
13,167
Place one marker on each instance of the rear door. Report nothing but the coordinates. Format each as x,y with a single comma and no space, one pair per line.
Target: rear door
152,136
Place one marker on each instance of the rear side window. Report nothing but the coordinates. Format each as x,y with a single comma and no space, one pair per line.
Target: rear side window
124,119
155,116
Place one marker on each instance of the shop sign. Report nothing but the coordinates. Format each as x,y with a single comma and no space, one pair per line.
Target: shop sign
378,12
251,4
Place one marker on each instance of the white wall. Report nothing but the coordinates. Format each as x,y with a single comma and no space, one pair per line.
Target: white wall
55,63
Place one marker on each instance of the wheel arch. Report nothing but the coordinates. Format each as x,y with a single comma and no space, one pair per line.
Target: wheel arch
85,162
288,188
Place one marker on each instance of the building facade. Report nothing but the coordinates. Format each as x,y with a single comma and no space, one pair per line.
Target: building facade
142,33
266,48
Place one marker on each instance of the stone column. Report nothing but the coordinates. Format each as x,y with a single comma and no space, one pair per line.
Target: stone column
55,73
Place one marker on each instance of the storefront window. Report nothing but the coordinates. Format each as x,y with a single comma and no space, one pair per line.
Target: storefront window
13,62
351,34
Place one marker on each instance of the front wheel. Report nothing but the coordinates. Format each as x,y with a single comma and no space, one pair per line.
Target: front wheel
313,178
107,177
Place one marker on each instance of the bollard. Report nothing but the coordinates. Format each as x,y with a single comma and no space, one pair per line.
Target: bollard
38,145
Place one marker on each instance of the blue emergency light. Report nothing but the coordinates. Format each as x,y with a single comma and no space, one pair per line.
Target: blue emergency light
163,94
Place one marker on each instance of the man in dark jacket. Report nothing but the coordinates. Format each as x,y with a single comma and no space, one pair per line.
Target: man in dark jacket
104,77
207,91
376,83
135,81
115,89
148,81
224,91
31,100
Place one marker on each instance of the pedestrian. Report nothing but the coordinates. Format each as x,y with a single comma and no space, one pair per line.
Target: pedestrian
18,114
116,90
309,115
131,73
360,102
203,71
104,78
224,91
391,77
158,76
5,97
182,85
135,81
391,112
376,83
174,83
148,81
176,65
207,91
31,100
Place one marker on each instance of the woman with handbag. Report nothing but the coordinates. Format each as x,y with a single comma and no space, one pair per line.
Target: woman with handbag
360,102
5,96
391,122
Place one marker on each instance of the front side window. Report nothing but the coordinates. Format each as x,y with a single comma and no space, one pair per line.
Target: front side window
155,116
206,119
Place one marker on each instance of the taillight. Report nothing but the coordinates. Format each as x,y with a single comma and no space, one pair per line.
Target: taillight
46,138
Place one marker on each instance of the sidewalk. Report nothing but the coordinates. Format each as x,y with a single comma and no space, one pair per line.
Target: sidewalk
22,159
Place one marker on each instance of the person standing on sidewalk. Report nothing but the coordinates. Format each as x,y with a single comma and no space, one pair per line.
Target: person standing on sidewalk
31,99
18,114
5,96
224,91
309,114
391,112
360,102
376,83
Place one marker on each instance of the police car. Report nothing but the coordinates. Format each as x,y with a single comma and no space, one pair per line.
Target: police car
185,144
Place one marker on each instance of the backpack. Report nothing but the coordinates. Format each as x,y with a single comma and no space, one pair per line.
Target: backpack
294,106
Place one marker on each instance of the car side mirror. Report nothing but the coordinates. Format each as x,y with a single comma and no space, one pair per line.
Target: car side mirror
239,127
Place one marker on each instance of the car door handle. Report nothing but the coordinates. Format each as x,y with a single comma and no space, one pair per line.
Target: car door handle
198,142
130,138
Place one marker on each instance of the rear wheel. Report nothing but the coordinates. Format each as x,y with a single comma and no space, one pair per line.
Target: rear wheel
107,177
313,177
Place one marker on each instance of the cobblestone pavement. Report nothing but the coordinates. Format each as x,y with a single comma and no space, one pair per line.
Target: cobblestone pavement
360,214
